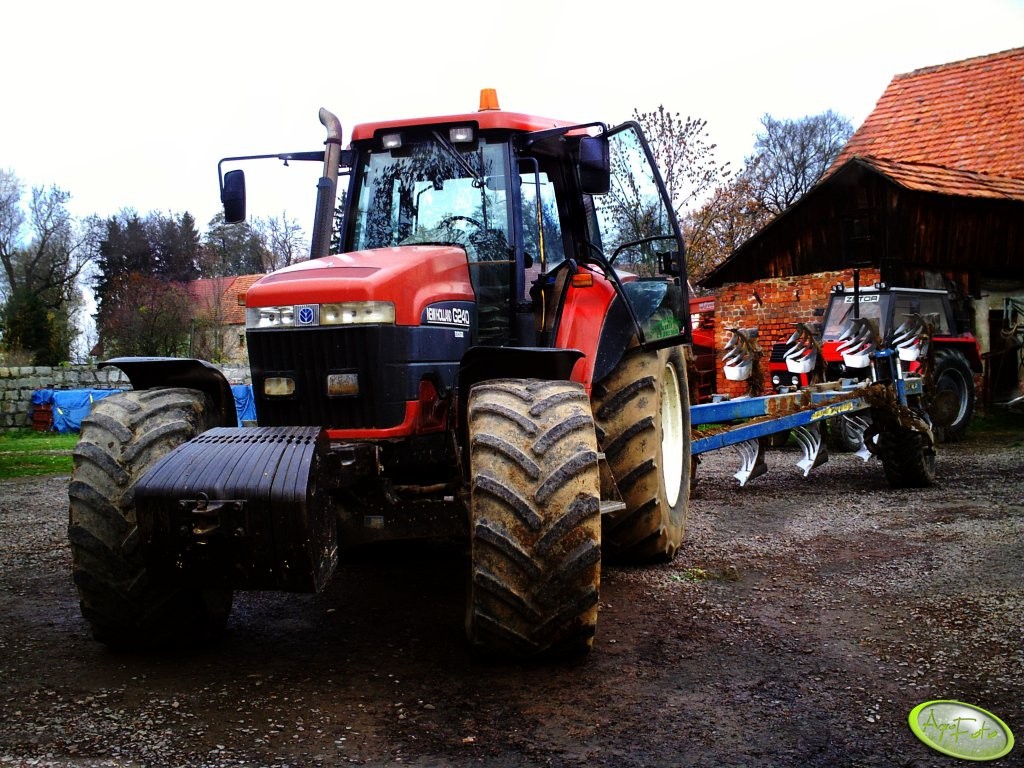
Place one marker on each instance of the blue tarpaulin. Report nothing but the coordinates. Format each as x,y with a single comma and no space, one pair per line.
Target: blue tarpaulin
70,406
245,404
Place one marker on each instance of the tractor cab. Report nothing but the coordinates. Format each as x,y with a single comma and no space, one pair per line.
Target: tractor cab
526,199
463,236
888,307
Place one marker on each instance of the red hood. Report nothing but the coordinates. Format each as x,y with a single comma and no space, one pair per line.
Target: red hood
410,277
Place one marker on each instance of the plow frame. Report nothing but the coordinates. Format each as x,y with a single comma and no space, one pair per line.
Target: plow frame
759,417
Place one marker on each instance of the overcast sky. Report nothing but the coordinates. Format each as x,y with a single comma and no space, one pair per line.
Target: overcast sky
133,103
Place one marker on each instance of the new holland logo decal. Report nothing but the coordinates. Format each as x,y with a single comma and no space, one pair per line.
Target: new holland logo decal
307,314
453,316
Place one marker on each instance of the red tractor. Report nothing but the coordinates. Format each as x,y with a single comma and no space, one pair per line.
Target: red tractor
919,322
480,359
704,360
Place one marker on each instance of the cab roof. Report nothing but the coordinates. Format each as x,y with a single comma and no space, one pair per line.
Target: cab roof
491,119
488,117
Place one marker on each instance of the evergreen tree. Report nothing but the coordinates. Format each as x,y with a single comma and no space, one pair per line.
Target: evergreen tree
177,247
232,249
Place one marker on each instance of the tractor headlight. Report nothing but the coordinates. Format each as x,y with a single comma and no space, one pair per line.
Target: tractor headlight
358,312
270,317
312,315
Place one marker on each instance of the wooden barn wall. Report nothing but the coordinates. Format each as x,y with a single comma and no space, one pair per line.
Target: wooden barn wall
863,218
965,239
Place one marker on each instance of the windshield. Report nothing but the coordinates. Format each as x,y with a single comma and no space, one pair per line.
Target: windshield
840,312
875,305
431,191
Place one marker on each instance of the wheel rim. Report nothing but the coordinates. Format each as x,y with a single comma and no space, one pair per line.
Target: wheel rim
672,441
952,385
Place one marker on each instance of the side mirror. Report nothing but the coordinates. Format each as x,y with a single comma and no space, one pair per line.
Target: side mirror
594,166
232,196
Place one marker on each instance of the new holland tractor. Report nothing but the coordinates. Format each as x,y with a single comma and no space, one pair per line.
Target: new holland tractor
494,353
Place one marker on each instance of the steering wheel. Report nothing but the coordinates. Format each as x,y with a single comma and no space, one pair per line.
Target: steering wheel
449,221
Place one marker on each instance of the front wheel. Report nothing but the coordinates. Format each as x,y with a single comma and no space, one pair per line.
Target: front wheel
907,456
125,605
643,419
535,536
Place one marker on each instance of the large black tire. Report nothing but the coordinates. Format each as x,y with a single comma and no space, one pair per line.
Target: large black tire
643,423
952,402
908,459
843,436
535,519
124,604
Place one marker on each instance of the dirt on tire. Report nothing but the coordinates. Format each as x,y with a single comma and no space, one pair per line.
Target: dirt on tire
536,519
122,438
800,623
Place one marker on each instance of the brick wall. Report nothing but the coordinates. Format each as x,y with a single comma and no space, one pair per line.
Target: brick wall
773,305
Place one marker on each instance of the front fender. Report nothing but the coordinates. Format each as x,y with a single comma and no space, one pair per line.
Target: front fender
483,363
154,372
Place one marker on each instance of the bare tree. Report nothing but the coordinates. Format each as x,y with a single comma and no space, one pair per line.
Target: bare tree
730,216
791,156
43,250
155,321
684,154
284,241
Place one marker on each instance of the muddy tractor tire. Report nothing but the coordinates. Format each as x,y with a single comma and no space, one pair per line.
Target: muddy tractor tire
535,535
125,605
907,457
643,423
952,403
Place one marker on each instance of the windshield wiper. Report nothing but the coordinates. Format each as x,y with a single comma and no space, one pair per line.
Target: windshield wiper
477,178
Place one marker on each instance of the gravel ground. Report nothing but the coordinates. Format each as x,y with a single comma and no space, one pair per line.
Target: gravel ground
801,622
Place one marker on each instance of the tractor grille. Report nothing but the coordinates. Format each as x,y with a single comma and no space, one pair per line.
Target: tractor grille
389,362
778,353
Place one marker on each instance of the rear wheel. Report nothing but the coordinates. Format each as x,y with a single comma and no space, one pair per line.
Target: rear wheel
844,435
535,519
124,604
907,456
952,404
644,430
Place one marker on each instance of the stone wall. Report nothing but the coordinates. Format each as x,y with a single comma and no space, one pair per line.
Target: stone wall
18,384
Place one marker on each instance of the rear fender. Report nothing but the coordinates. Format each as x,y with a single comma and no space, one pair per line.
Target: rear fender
654,302
154,372
966,345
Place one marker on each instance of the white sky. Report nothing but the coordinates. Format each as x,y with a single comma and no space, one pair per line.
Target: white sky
131,104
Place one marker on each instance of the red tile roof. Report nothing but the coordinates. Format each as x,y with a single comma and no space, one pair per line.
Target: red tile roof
221,292
966,116
234,309
933,178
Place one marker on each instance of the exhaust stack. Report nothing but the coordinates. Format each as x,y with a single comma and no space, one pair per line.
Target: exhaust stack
327,187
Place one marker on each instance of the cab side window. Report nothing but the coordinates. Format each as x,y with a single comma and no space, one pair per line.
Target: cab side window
542,232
